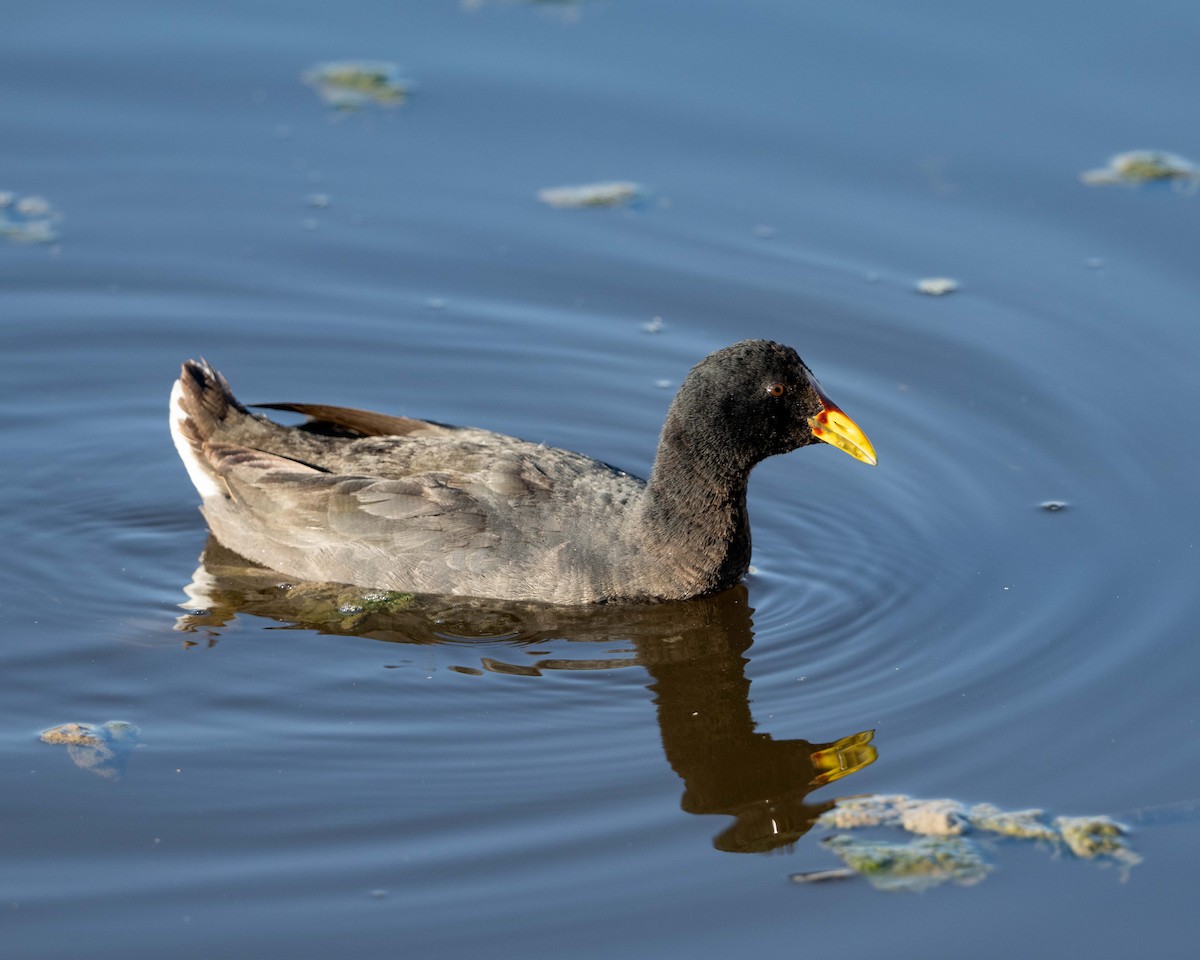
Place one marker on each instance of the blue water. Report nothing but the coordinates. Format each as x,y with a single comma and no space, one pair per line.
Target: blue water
470,780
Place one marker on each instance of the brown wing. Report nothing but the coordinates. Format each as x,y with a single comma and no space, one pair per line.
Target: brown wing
365,423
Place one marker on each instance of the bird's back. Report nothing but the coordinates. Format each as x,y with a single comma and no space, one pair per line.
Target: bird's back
424,508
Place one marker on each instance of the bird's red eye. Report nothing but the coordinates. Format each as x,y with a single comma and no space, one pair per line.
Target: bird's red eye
777,389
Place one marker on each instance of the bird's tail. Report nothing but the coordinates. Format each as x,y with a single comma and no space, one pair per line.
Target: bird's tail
201,401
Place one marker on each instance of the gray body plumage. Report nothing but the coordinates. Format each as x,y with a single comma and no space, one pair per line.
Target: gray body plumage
401,504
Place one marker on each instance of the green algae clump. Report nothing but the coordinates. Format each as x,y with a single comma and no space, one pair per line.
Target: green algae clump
917,865
939,853
1097,838
942,818
353,84
1019,824
1142,166
101,748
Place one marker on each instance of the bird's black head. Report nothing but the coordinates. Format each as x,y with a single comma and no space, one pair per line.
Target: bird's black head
753,400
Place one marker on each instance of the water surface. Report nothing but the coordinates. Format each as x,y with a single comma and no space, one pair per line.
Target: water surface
460,779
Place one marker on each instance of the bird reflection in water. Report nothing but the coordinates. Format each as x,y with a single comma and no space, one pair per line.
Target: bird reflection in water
694,652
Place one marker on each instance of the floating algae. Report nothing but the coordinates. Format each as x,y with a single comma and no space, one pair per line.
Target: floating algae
1021,824
940,852
934,818
1097,838
1143,166
374,602
27,219
344,609
353,84
937,286
103,749
879,810
917,865
612,193
941,818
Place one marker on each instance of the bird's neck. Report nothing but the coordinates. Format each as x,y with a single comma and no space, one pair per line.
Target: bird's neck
693,517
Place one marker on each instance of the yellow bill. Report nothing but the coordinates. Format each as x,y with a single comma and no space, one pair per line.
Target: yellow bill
833,426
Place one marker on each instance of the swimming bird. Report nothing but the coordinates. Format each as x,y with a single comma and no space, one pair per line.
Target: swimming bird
394,503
